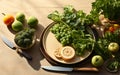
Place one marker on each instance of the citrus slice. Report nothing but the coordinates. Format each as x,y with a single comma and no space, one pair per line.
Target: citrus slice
67,53
57,53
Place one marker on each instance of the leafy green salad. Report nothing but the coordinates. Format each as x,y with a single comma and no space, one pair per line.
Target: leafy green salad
70,29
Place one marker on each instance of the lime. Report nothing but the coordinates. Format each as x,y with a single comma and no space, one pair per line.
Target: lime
32,21
20,17
17,26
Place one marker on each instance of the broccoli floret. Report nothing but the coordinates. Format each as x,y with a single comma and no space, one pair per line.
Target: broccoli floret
24,38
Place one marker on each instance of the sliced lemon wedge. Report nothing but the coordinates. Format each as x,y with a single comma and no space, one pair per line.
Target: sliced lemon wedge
67,53
57,53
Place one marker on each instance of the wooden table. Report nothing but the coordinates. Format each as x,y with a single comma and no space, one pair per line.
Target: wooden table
12,63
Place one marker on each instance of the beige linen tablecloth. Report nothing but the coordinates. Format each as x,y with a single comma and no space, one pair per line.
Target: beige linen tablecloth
13,64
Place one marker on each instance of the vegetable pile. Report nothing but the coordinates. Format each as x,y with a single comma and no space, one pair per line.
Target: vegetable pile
24,38
70,29
110,8
19,21
111,24
23,27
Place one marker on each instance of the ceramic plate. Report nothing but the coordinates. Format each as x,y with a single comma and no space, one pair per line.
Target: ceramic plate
49,44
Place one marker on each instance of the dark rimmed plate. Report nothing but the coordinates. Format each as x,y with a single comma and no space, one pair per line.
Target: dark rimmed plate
48,44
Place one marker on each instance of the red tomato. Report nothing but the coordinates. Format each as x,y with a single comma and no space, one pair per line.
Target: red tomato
111,29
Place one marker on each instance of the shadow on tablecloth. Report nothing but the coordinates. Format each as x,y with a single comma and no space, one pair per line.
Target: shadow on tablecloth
35,51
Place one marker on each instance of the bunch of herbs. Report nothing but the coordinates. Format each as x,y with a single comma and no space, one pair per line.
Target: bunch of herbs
72,25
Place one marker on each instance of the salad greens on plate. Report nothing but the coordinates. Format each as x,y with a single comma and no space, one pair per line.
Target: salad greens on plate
70,29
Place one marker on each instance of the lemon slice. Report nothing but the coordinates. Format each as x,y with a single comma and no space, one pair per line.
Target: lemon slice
67,53
57,53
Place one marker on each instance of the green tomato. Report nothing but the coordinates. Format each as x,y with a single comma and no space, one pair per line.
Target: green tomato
113,47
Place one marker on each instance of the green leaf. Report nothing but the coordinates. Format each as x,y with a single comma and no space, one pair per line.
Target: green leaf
55,16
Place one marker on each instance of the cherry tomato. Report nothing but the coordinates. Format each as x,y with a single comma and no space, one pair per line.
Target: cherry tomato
111,29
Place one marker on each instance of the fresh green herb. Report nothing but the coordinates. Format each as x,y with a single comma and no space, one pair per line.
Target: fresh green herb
71,17
70,29
110,8
101,48
55,16
113,36
113,65
94,17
